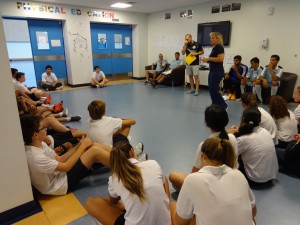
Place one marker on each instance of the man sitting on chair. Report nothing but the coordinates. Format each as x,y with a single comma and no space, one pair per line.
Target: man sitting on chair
175,64
160,66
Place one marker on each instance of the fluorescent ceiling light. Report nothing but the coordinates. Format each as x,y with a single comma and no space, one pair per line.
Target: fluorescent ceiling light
121,5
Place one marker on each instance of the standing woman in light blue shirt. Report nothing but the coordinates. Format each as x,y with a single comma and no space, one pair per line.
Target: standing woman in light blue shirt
216,72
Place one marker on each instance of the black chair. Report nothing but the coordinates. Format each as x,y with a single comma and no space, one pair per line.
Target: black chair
287,85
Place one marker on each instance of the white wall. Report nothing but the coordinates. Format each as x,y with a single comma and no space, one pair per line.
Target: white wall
79,62
249,26
15,187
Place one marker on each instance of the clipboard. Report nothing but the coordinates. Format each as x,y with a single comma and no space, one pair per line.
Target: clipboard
189,59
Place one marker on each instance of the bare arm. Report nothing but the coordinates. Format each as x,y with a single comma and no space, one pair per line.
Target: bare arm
273,74
184,48
197,53
181,221
219,58
69,163
128,122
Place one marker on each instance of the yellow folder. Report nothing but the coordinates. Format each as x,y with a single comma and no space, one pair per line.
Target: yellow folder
189,59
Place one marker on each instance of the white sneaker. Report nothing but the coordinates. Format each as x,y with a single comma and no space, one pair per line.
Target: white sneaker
143,157
138,149
59,88
97,86
225,97
65,112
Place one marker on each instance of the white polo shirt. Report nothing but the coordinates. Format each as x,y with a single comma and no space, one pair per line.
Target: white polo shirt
155,210
20,87
49,78
216,196
297,112
102,130
258,154
287,127
99,76
42,165
268,123
232,139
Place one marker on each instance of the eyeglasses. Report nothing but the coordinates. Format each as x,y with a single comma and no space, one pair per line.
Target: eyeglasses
44,127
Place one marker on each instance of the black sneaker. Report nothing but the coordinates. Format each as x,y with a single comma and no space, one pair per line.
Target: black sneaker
153,84
75,118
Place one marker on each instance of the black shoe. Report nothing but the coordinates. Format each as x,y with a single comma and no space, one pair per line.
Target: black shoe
153,84
75,118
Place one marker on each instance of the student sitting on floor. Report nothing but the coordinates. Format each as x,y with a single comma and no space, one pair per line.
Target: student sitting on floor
19,85
285,121
216,118
137,192
258,159
56,175
49,80
218,194
297,110
98,79
249,101
289,158
109,130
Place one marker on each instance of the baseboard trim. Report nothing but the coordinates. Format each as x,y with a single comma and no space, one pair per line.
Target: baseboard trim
78,85
139,78
20,212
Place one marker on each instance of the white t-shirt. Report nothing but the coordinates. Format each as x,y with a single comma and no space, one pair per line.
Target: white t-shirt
99,76
297,113
49,78
102,130
268,123
232,139
258,154
286,128
155,210
20,87
42,165
216,196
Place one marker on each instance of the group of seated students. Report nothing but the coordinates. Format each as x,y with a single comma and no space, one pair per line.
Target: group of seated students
217,191
240,79
159,70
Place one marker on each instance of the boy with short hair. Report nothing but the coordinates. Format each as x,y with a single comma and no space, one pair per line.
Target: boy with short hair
52,174
49,80
269,78
98,79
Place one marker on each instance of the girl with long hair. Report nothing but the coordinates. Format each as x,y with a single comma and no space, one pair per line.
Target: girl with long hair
285,121
218,193
139,186
216,118
257,150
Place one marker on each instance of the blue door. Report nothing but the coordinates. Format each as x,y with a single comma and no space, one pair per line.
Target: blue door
112,48
47,44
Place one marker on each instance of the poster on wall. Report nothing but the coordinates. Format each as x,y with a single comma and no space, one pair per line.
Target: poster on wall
55,43
190,13
102,41
215,9
167,16
183,13
226,8
118,41
235,6
42,40
127,40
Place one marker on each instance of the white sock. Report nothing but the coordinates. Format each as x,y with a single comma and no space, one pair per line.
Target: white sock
258,91
253,90
274,90
68,119
60,114
242,88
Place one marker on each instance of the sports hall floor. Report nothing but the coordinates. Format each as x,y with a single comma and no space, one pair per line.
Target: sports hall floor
170,123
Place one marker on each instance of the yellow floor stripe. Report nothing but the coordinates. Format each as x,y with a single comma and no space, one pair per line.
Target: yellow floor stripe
61,210
36,219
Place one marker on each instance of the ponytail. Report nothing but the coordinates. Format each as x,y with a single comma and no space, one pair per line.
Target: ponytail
250,119
124,170
219,150
223,134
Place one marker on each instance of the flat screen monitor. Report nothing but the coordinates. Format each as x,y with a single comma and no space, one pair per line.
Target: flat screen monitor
204,29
